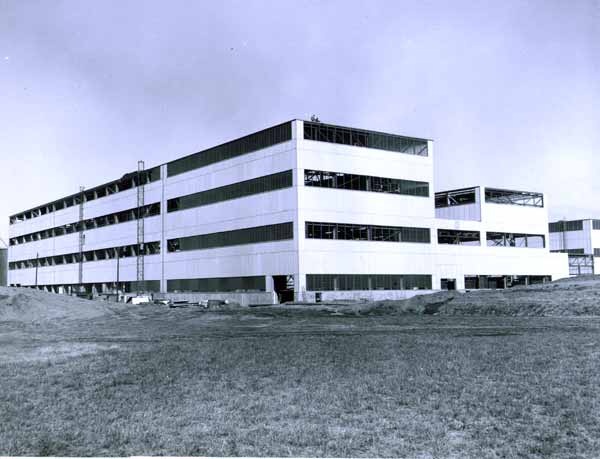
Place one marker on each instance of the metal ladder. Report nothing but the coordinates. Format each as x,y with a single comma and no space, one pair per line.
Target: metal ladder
81,237
140,179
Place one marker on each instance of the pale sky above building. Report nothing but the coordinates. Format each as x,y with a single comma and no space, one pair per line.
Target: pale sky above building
509,90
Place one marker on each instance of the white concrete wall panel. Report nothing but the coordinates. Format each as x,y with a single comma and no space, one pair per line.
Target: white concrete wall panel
122,234
278,158
269,258
69,243
364,161
588,234
257,210
565,240
123,200
595,237
51,220
507,218
364,207
97,238
464,212
366,257
98,207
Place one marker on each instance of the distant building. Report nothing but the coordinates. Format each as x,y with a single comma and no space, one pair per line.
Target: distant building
580,239
295,210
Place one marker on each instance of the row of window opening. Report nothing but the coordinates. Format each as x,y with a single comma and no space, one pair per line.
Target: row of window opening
340,180
126,251
127,182
146,211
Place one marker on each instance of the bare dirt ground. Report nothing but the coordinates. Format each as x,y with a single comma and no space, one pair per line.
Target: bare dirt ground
86,378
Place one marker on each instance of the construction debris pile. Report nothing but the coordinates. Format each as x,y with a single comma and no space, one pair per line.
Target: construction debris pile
29,305
568,297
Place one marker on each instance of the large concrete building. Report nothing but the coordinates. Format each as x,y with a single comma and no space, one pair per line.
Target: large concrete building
294,210
580,239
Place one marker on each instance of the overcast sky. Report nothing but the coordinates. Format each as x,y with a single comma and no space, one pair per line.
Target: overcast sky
509,90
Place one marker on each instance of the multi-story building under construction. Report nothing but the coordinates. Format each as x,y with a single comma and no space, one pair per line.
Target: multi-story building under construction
294,210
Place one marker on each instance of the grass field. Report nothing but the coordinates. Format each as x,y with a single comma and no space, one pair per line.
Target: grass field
269,382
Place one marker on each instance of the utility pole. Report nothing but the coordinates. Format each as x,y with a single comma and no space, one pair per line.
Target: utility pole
37,263
141,178
81,237
118,251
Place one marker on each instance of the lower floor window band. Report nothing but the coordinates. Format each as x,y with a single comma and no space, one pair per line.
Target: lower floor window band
332,282
218,284
254,235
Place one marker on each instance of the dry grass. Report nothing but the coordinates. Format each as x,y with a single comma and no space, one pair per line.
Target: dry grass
270,382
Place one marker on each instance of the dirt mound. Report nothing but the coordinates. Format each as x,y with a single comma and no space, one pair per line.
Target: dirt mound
567,297
27,305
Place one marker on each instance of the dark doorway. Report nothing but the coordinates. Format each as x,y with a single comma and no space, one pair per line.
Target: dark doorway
448,284
284,288
497,282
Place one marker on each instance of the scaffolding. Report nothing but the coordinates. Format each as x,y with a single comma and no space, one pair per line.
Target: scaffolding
81,236
140,227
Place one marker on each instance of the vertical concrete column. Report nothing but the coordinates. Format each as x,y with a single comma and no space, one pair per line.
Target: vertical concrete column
270,287
435,281
300,287
587,237
269,284
163,218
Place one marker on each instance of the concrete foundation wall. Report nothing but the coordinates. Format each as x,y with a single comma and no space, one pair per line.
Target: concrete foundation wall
370,295
243,298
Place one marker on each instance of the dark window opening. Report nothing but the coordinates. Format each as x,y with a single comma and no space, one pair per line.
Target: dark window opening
519,198
218,284
459,237
149,210
581,264
448,284
150,248
362,138
236,190
571,251
255,235
238,147
354,232
456,197
515,240
284,288
562,226
356,182
325,282
149,175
